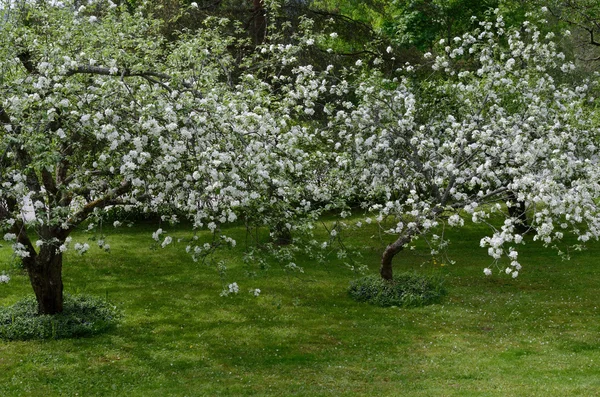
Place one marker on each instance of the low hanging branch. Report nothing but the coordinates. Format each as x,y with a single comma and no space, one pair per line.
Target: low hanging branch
151,76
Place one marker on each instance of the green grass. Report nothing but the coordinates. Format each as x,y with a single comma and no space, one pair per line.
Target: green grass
537,335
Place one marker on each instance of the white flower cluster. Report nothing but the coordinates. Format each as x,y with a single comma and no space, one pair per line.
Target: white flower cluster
232,288
81,248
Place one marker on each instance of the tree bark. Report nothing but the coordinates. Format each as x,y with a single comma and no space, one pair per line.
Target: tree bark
260,21
518,211
45,275
388,255
282,236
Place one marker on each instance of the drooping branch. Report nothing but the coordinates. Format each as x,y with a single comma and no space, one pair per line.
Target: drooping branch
518,211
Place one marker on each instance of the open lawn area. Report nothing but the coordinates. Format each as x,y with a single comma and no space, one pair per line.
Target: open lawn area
536,335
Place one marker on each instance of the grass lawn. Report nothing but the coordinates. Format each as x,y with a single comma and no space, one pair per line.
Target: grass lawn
537,335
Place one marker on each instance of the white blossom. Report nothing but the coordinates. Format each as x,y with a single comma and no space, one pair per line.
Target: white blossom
168,240
233,288
157,233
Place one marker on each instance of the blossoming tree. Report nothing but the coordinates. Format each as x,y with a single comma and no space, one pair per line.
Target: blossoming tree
98,110
499,124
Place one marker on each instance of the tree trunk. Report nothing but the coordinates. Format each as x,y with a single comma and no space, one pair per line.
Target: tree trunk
260,21
45,274
518,211
281,234
386,259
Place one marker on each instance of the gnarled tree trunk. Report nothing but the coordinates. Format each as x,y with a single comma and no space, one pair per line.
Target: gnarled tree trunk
45,275
388,255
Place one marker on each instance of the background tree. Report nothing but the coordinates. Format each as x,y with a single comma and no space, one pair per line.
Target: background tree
422,23
583,18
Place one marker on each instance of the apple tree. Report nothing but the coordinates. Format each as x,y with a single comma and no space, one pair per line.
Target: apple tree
98,109
499,122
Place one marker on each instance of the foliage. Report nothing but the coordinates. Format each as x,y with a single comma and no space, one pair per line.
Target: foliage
83,315
422,23
405,290
583,18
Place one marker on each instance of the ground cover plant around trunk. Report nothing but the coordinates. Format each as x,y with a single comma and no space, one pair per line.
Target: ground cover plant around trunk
405,289
535,335
82,316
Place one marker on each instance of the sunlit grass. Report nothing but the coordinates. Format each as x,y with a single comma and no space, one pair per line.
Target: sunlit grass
537,335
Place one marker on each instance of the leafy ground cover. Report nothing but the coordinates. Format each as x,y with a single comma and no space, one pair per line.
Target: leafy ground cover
536,335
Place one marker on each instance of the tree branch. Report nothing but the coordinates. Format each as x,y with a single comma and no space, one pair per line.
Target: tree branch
345,18
148,75
102,202
352,54
580,25
88,69
6,207
49,182
4,118
592,41
19,229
